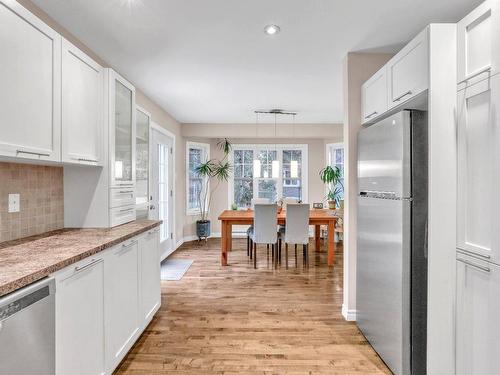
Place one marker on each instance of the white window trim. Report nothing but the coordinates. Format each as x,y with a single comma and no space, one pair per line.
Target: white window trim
206,149
328,157
279,147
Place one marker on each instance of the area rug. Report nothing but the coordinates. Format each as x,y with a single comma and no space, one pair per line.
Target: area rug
174,269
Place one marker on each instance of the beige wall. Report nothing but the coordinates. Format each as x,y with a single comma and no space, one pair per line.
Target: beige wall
316,161
159,116
358,67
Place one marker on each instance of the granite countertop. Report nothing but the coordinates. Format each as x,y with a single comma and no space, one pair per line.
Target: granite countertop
27,260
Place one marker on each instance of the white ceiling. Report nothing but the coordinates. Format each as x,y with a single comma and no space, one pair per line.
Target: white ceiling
209,61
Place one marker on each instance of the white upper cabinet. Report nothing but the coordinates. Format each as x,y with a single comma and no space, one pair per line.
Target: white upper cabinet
373,98
122,115
30,93
408,71
475,44
82,107
477,311
478,165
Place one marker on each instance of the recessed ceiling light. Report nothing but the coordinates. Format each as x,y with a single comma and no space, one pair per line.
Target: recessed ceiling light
272,29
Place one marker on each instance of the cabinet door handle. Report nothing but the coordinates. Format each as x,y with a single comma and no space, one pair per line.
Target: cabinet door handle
126,247
88,160
32,153
371,114
90,264
481,268
475,74
409,92
125,192
474,254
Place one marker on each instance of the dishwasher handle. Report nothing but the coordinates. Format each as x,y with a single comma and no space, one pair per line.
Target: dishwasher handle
19,300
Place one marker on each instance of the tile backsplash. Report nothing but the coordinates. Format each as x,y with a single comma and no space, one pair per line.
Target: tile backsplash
41,200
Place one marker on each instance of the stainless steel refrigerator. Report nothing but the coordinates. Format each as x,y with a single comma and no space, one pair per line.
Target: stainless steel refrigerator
391,290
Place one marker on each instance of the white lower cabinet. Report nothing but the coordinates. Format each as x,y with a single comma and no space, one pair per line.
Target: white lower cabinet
121,305
104,303
477,311
149,252
80,319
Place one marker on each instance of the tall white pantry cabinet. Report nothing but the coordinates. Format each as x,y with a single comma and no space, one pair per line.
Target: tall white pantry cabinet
478,203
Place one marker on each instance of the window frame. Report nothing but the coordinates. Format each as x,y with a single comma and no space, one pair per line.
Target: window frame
256,148
329,157
205,148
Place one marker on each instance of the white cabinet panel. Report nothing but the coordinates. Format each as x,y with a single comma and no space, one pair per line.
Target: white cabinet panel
474,35
373,96
80,319
478,163
122,301
408,71
477,312
150,275
82,107
30,93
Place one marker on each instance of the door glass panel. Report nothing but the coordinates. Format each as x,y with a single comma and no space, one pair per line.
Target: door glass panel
267,189
142,165
123,133
164,193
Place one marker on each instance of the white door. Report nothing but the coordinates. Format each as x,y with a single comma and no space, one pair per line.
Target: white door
150,275
162,188
30,93
80,319
82,107
122,303
477,311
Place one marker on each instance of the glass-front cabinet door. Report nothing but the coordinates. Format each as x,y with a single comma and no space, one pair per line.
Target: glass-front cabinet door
142,195
122,134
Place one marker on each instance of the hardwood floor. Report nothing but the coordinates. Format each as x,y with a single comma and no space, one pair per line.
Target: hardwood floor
237,320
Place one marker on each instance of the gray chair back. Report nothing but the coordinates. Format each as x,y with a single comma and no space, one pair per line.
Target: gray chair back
255,201
297,224
265,223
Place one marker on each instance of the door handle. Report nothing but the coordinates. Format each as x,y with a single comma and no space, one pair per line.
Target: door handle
90,264
152,207
481,268
409,92
371,114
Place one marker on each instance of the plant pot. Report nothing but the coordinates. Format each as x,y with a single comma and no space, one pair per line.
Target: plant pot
332,205
203,229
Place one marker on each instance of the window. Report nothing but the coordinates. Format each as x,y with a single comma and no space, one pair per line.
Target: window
244,185
335,158
196,154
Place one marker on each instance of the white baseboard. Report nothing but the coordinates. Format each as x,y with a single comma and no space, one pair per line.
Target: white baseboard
349,315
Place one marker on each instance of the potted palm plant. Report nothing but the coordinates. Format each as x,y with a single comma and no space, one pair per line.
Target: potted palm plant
332,178
212,172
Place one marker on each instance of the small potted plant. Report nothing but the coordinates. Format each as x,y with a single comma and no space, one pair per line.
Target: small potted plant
332,178
212,172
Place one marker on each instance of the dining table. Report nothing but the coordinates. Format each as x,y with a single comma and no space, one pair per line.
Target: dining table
317,218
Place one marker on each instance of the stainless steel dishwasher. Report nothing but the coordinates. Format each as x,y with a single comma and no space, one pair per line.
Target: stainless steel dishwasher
27,330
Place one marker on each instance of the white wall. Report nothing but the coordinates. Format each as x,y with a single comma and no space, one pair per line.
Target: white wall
358,67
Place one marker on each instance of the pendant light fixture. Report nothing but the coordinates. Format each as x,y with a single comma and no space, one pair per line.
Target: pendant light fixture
294,164
257,168
275,165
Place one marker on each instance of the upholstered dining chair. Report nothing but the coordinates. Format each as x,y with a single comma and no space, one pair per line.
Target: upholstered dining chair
264,228
296,230
286,201
249,240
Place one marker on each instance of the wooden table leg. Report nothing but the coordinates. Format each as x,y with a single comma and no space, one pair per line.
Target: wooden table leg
331,243
223,242
317,237
229,231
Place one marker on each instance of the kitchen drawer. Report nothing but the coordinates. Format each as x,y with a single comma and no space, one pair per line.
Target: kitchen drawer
408,71
121,215
120,197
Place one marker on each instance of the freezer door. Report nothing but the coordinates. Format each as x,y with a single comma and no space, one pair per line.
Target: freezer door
383,279
384,156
